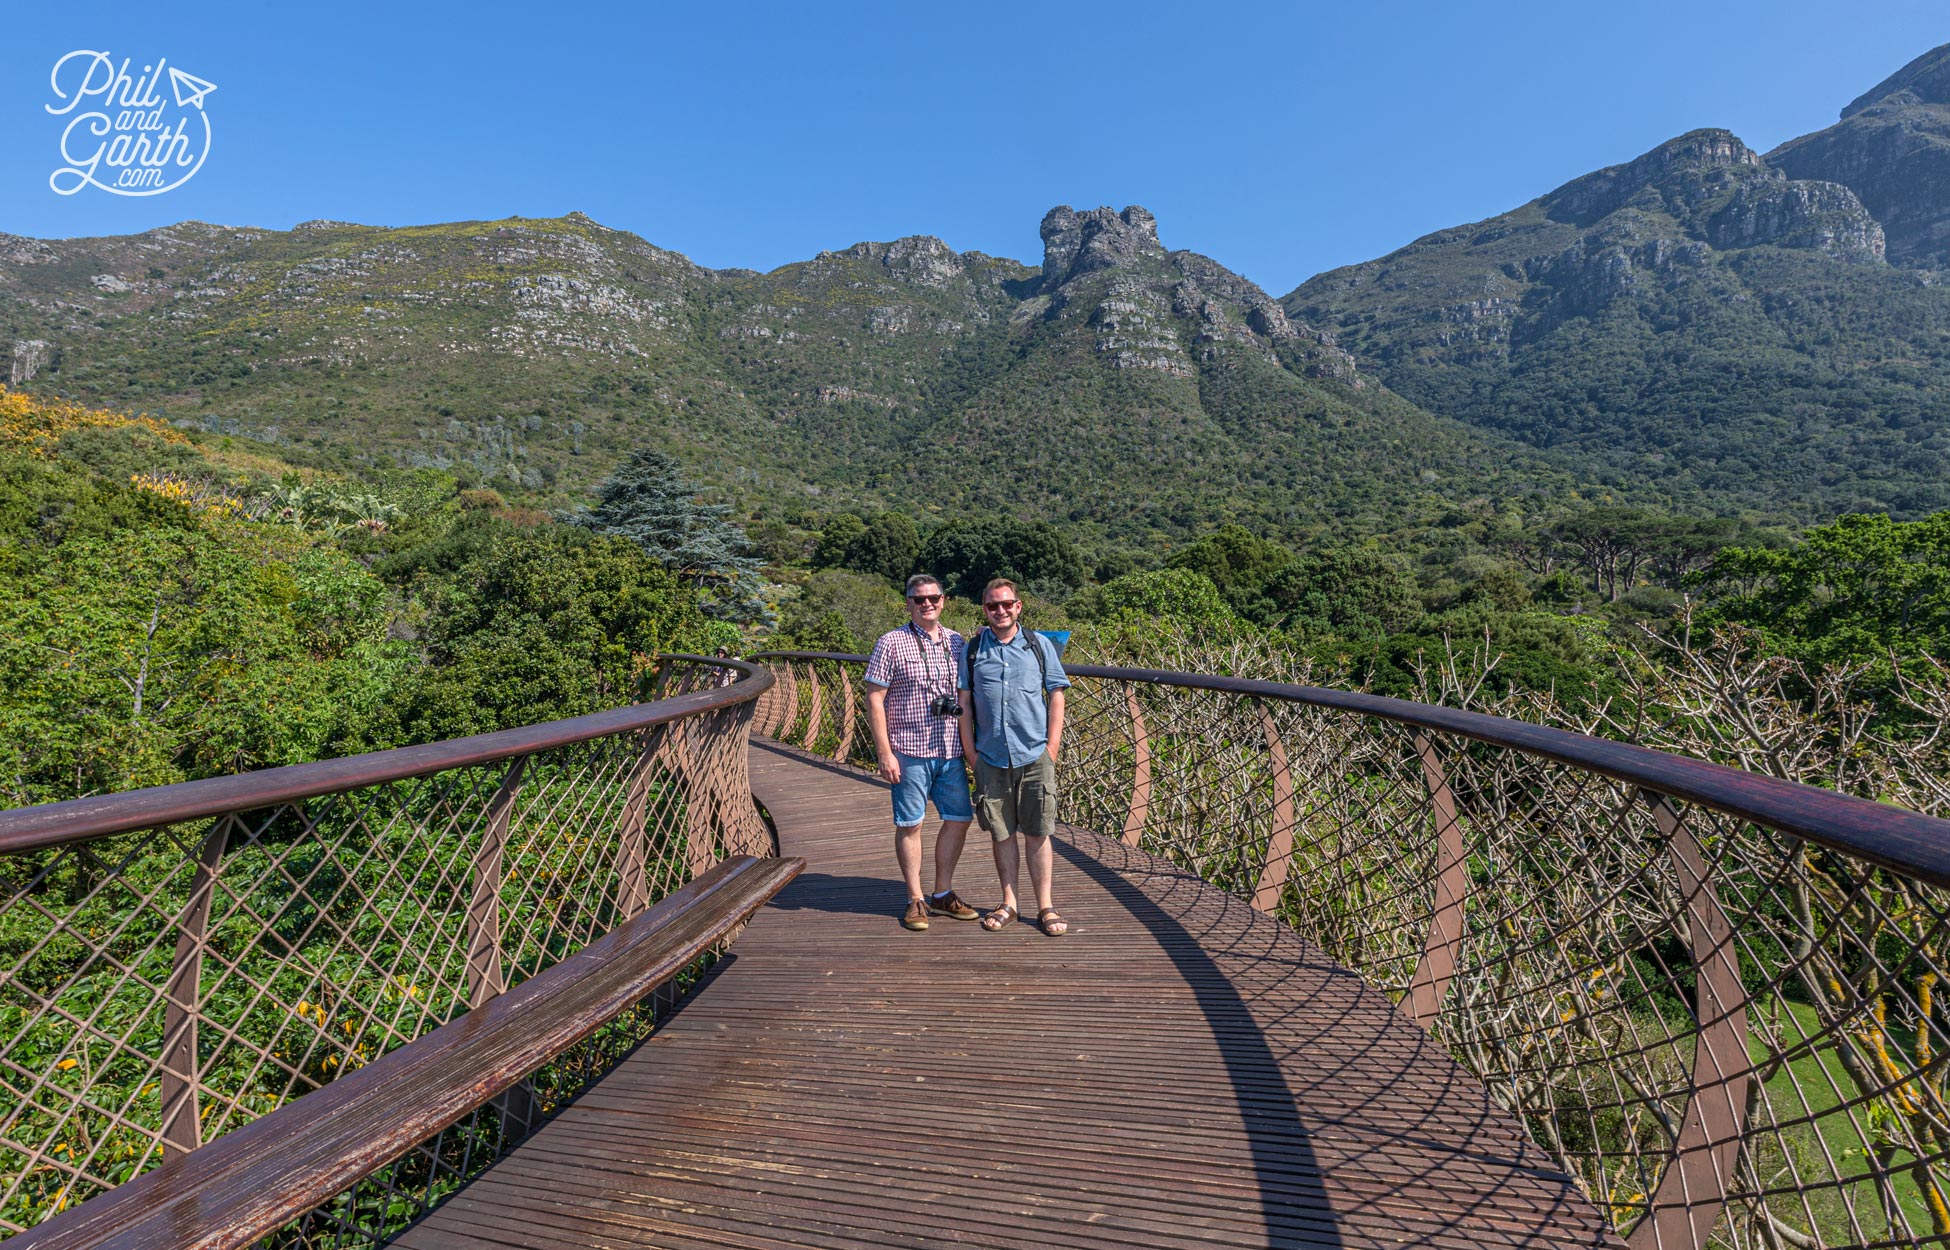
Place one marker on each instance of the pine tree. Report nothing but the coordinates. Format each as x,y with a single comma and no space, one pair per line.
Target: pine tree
650,502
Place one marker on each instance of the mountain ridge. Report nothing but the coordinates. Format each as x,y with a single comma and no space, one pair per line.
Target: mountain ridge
1121,386
1756,331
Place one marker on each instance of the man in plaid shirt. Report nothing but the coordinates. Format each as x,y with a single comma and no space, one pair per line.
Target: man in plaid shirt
911,705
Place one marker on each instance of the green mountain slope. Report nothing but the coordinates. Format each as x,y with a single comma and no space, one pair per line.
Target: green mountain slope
1700,317
1139,392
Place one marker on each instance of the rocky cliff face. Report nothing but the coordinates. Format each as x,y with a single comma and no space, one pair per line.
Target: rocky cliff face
1168,312
1820,216
1892,149
1700,313
1677,176
1075,244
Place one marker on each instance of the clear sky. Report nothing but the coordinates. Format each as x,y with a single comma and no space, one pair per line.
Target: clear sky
1281,140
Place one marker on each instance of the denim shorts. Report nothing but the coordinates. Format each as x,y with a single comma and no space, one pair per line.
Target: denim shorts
944,781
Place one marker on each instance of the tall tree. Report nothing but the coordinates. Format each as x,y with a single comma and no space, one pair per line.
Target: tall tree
1859,589
650,502
968,553
888,546
1240,564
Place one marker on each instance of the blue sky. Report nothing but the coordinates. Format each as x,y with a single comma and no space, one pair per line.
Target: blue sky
1281,140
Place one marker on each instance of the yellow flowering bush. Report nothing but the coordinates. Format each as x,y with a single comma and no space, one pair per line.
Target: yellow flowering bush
33,425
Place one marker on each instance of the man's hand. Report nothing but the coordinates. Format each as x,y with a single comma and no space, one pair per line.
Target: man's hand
883,746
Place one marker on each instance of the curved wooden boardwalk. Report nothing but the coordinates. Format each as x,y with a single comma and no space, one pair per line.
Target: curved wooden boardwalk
1178,1071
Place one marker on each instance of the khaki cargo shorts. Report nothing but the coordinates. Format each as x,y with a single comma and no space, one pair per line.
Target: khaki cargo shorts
1008,800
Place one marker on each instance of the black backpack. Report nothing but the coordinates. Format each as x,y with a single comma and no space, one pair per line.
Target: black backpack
1036,643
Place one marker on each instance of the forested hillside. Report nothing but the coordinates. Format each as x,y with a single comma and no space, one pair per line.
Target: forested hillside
1751,332
1130,391
173,609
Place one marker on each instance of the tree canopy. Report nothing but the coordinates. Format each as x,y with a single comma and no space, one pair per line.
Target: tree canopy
967,554
650,502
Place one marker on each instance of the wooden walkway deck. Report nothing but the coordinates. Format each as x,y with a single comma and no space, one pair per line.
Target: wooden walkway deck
1177,1071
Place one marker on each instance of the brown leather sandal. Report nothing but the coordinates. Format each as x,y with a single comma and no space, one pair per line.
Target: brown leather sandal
1000,918
1052,924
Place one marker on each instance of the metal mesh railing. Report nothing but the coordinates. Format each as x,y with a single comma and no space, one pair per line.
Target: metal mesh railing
179,962
1713,997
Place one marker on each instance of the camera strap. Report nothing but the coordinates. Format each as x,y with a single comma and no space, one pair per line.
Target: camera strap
927,667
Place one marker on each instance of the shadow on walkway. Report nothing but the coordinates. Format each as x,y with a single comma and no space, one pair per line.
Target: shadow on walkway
1292,1198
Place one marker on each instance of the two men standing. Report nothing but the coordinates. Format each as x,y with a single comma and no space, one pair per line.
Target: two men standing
933,700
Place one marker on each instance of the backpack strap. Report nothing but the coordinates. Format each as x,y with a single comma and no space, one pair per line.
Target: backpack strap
973,648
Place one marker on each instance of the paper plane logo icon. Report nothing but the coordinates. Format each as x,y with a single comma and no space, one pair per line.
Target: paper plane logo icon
190,89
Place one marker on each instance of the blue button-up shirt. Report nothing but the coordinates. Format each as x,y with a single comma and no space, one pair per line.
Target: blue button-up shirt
1011,717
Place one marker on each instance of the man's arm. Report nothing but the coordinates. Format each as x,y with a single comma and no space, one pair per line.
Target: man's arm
965,692
967,724
1056,701
883,746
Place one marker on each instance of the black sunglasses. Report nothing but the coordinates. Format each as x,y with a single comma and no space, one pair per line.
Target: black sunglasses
924,598
1001,603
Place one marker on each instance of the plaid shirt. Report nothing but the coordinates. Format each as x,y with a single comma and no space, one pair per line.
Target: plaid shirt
914,670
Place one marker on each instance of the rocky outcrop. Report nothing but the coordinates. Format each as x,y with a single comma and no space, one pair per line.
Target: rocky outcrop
1925,80
1075,244
920,259
1892,149
1135,331
30,356
1824,216
1682,173
1165,311
1263,314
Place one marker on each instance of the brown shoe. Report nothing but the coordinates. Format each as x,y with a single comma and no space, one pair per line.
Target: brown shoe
950,906
917,916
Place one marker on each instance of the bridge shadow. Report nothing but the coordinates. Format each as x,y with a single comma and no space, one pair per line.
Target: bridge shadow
839,895
1341,1121
1295,1204
1303,1070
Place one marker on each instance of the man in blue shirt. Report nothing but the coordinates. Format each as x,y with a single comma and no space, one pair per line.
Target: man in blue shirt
1012,730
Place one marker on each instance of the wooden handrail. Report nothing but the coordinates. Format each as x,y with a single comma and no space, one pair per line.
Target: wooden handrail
1910,842
77,820
254,1180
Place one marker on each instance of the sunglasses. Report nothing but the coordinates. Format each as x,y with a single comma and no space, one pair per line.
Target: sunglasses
924,598
999,604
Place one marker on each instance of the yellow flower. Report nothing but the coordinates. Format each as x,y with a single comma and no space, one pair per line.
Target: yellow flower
66,1064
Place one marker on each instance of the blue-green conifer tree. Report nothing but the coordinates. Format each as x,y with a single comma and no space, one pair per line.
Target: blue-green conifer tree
649,501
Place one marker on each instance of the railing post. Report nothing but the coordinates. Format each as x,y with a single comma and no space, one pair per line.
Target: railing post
181,1117
484,975
1430,985
1140,771
1693,1191
815,704
633,855
1279,847
790,704
847,711
699,800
